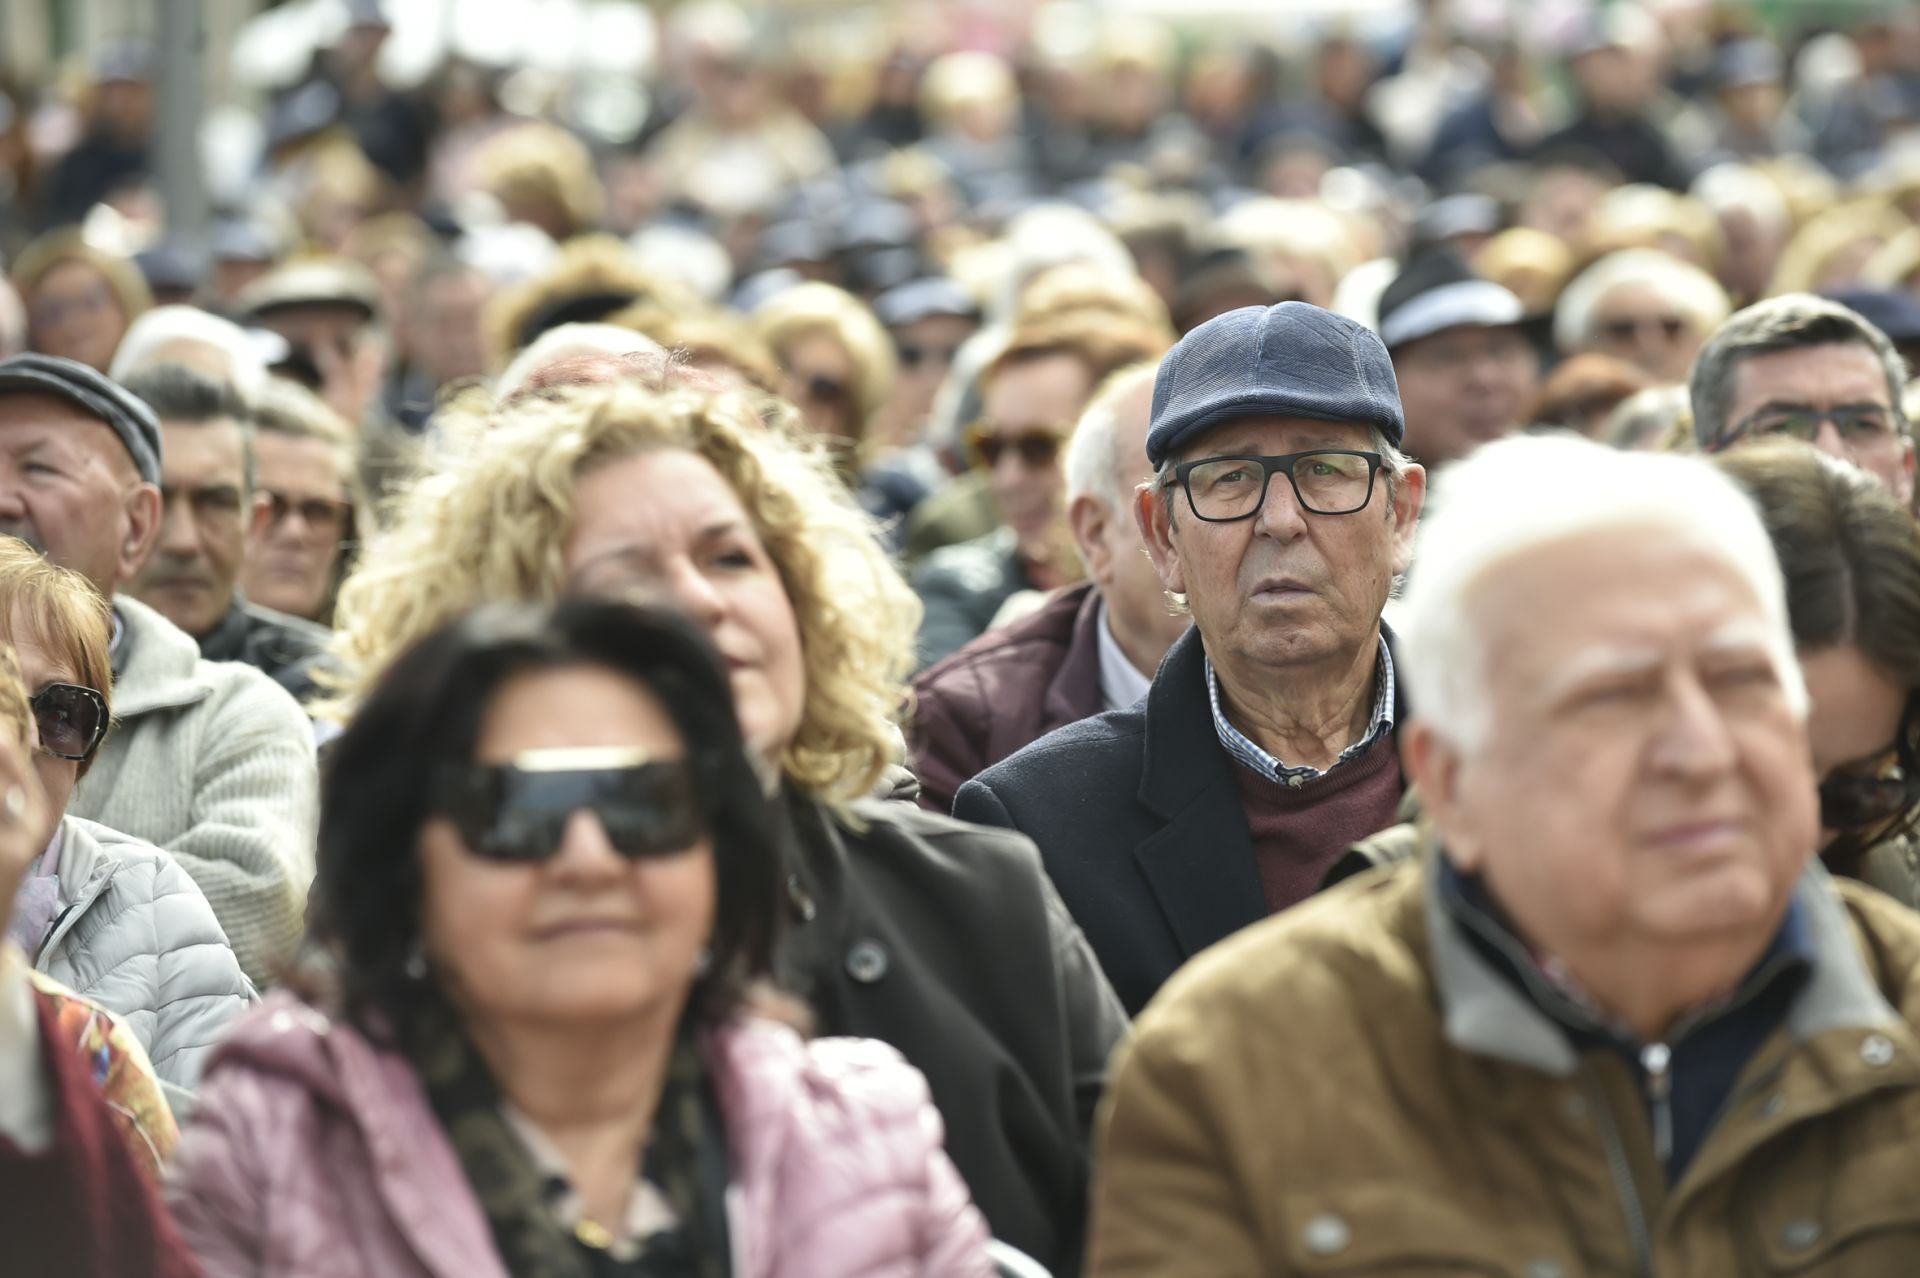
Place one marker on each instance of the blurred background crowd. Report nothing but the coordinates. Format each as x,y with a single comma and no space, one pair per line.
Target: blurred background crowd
859,206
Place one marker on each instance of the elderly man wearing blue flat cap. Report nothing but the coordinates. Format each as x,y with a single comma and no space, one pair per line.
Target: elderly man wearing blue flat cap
1280,513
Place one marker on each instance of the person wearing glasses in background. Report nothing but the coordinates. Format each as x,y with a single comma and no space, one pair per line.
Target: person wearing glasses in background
210,760
538,1036
304,466
1809,368
209,511
1032,393
109,916
1643,306
1280,513
1851,559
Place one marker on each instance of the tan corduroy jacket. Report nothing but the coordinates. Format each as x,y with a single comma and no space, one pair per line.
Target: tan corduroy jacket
1351,1088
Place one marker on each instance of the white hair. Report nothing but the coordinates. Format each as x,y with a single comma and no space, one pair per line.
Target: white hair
1729,186
570,340
1527,491
1050,235
1686,287
149,338
1093,463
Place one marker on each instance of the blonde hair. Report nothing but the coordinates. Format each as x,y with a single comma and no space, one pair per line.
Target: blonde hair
814,307
69,245
711,336
489,523
1812,250
542,164
16,712
61,610
587,266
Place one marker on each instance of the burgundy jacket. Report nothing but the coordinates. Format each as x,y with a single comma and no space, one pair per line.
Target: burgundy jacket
1009,687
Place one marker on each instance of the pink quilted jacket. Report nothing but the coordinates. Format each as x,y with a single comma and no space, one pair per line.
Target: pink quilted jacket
314,1154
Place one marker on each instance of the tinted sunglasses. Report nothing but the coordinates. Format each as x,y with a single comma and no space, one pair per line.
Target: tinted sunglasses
323,515
825,390
72,720
1626,327
1855,801
1037,448
519,811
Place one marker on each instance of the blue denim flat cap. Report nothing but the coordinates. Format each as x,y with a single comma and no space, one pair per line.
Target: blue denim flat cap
1290,360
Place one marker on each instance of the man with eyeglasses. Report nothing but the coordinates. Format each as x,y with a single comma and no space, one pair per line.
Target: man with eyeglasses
208,509
1809,368
1280,513
210,760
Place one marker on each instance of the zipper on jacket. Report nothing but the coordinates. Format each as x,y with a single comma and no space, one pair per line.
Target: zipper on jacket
1623,1185
1657,1060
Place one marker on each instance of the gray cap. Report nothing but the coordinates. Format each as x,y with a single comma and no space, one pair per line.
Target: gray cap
81,386
1290,360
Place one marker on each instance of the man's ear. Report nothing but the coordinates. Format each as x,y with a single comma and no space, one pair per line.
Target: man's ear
140,508
1087,518
1410,495
1156,530
1433,765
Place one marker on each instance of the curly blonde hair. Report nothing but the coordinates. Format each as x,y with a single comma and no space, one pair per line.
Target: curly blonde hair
489,522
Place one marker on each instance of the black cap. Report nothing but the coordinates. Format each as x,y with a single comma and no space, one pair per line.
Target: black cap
93,392
1438,291
1893,311
922,298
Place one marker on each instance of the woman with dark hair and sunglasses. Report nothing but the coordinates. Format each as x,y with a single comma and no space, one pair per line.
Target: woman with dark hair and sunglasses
108,915
548,887
1851,558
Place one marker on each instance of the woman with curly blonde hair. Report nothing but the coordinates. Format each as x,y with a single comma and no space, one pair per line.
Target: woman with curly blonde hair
941,939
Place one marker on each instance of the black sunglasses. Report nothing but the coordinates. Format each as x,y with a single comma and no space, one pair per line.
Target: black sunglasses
519,811
1037,448
72,720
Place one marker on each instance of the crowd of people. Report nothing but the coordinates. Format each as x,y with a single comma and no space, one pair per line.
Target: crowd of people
1076,644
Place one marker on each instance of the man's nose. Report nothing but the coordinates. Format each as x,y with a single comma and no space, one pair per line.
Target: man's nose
1694,738
1281,514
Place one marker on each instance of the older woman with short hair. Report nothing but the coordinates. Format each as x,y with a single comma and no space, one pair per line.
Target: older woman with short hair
80,298
944,940
108,915
536,1040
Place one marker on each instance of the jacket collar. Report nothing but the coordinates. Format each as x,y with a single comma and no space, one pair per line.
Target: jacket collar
1485,1014
1074,691
159,663
227,641
1199,864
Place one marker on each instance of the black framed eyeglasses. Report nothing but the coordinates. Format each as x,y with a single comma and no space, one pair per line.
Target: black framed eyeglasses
1858,425
1326,481
519,811
71,719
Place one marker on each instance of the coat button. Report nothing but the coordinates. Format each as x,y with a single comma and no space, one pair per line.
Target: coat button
867,961
1876,1050
1326,1234
1800,1234
1545,1269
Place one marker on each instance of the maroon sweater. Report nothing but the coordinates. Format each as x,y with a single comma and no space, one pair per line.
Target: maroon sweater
83,1208
1300,831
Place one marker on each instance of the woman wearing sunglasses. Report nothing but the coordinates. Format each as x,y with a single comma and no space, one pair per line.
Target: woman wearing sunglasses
108,915
944,940
1851,558
547,892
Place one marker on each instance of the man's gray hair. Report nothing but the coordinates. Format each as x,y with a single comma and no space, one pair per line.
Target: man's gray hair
1528,491
1788,322
1094,466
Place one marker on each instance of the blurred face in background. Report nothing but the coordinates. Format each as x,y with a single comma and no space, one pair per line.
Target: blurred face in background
293,555
206,511
1634,322
74,313
1461,387
444,327
817,375
1027,413
926,348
